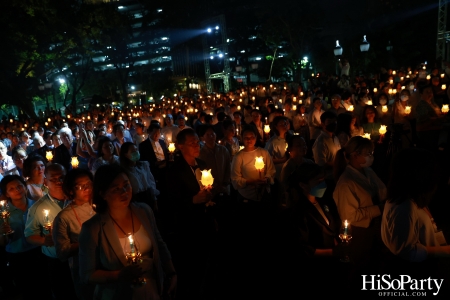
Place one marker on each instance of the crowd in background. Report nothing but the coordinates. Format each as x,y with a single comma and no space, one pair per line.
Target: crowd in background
304,179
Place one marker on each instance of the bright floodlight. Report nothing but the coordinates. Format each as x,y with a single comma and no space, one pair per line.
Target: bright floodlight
220,55
258,58
211,57
120,7
217,27
209,29
132,87
61,80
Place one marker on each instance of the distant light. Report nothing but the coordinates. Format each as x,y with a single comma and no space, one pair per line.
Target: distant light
305,58
209,30
242,51
280,55
210,47
164,38
109,65
159,10
220,55
228,40
211,57
61,80
159,69
164,57
258,58
217,27
120,7
132,87
174,95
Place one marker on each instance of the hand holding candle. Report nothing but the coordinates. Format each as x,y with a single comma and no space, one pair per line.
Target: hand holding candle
207,180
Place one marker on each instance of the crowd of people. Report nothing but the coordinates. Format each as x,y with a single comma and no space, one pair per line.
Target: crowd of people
268,190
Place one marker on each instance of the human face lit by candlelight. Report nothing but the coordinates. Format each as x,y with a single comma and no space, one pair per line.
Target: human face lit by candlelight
209,137
119,193
82,191
155,134
15,190
249,139
37,169
191,147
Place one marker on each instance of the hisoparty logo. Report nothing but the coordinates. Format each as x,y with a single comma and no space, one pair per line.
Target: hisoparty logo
403,283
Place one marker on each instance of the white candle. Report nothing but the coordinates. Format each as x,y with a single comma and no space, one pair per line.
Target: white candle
132,248
207,179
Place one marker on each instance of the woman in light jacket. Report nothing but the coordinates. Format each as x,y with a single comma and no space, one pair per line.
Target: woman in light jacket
105,242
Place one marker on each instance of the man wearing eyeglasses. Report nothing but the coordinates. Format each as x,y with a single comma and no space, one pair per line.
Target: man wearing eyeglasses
38,231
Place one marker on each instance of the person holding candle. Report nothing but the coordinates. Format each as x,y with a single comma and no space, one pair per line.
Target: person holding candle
21,255
109,237
36,232
249,181
370,122
336,105
359,197
257,123
63,153
78,185
276,145
140,135
194,225
308,234
170,130
34,168
217,158
408,228
384,108
139,174
429,119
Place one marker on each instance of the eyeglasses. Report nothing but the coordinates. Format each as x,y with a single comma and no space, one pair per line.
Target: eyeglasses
84,187
57,179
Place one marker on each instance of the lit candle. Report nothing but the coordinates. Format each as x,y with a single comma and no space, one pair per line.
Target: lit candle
207,179
74,162
295,99
294,107
375,90
10,120
345,228
267,129
49,119
407,110
46,123
350,108
132,248
401,78
369,102
391,81
444,87
301,93
442,75
390,91
171,147
394,72
394,91
445,108
68,116
241,148
239,107
382,129
366,136
428,77
259,163
47,222
403,87
49,155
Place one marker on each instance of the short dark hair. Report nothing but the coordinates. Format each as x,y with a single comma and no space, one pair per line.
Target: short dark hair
249,128
202,129
70,179
183,134
123,151
327,115
10,178
104,176
116,127
153,125
413,176
221,116
54,167
101,141
28,164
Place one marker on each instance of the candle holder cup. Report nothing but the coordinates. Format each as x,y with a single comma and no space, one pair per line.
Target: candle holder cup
134,259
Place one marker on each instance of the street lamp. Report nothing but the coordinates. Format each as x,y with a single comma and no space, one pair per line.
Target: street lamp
338,49
364,47
338,53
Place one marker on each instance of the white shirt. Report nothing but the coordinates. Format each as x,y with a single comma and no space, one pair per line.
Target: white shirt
406,230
